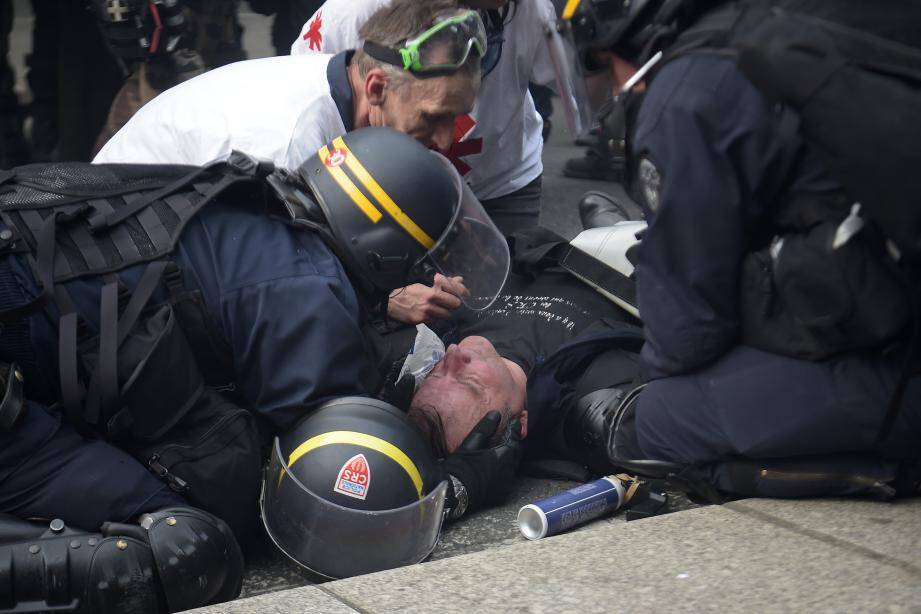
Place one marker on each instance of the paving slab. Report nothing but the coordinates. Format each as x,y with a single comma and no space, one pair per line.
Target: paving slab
311,599
708,559
890,532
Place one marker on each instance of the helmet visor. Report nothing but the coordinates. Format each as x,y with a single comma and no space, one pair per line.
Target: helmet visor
472,249
338,542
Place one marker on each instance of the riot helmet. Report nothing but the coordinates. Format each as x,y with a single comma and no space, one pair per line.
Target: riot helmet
354,488
398,213
633,29
137,29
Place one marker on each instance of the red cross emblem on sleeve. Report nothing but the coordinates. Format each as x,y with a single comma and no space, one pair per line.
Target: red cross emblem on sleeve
313,36
463,126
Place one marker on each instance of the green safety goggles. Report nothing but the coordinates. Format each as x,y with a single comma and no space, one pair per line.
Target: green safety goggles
441,50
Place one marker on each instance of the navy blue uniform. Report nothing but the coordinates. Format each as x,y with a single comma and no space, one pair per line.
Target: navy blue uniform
723,160
280,299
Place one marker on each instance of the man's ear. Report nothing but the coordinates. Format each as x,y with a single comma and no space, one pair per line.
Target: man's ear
376,87
523,418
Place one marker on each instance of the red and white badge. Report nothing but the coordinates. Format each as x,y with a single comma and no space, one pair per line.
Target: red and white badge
336,158
354,478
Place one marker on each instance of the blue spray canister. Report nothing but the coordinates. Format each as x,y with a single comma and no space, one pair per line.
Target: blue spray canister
572,507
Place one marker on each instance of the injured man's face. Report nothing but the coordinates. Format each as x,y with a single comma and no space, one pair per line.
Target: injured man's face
469,381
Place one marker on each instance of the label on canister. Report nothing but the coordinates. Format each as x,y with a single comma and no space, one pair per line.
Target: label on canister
570,508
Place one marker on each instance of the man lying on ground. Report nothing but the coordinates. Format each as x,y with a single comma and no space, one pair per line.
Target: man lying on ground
564,360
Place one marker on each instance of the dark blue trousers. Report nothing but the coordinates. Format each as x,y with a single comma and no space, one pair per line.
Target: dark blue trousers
47,469
790,416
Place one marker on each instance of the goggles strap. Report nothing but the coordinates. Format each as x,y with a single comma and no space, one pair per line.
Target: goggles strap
384,54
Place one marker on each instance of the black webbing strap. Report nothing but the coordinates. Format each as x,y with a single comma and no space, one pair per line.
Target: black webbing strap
116,217
103,392
211,350
383,54
597,272
46,248
107,368
67,364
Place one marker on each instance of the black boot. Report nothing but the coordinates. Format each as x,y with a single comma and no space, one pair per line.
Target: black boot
599,429
907,481
598,210
596,164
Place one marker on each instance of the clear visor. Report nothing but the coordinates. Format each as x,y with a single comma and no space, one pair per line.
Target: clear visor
339,542
449,43
472,249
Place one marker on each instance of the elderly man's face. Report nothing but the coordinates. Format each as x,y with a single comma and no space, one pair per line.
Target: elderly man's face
425,109
469,381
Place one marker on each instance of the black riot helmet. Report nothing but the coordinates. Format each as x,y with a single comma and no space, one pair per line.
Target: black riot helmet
633,29
354,488
398,213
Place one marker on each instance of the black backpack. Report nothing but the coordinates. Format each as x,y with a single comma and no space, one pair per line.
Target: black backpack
858,96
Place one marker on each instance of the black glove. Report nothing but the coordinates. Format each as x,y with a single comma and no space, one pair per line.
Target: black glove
481,474
398,391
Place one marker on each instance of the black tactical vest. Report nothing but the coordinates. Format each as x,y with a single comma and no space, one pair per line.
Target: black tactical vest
71,220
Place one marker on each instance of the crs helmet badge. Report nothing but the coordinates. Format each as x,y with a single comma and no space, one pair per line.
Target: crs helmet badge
336,157
650,182
354,478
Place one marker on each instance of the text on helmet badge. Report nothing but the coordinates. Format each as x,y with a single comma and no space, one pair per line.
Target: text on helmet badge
354,478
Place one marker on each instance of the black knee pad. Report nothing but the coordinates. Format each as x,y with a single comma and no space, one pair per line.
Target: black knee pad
197,557
75,571
178,559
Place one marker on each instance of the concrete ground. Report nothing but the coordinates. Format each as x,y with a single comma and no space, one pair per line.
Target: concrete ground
753,555
748,555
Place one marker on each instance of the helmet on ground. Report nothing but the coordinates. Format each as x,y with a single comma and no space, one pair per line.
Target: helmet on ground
398,213
353,488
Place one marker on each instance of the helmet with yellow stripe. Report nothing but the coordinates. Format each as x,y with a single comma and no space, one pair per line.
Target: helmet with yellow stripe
399,213
354,488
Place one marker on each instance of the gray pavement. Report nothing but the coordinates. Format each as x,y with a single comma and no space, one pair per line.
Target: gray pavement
755,555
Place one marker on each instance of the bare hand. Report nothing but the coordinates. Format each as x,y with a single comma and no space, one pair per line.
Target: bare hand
418,303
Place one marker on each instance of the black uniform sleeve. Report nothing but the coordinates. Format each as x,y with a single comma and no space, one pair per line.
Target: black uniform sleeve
285,306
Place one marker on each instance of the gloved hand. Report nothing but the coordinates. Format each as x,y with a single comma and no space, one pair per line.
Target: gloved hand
396,390
483,474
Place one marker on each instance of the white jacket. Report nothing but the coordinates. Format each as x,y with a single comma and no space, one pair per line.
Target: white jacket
277,108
